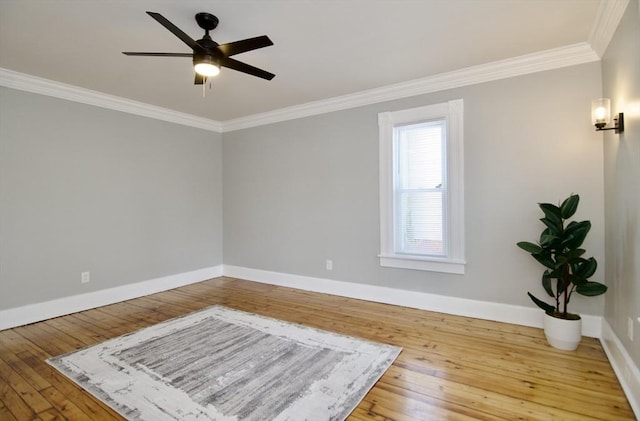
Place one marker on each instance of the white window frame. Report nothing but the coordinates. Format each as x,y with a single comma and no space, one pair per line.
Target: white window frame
453,113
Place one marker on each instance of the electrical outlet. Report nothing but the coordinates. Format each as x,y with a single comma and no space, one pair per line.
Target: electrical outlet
329,264
85,277
630,328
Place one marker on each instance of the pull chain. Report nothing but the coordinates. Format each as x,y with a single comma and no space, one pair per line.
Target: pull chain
204,86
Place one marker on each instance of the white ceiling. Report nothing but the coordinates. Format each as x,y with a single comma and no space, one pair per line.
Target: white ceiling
323,48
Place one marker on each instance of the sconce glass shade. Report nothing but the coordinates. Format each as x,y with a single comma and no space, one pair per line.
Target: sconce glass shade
206,66
600,112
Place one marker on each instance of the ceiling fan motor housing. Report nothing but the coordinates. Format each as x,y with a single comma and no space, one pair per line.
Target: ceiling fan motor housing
205,58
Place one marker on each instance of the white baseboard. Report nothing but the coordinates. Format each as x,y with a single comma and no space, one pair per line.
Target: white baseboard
624,367
42,311
507,313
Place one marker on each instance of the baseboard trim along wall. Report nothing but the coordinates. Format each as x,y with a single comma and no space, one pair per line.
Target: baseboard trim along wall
627,372
507,313
42,311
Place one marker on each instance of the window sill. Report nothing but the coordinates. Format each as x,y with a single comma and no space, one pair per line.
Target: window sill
423,263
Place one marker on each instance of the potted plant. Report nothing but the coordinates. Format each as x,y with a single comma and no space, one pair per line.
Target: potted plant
566,271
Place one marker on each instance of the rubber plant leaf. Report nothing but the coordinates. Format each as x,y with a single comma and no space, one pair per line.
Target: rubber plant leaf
547,239
554,227
548,308
575,233
572,254
586,268
551,212
530,247
591,289
545,260
569,206
546,283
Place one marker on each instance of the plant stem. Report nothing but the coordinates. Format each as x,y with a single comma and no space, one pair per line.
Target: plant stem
565,288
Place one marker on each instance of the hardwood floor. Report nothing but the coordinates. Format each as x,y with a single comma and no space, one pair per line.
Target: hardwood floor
451,367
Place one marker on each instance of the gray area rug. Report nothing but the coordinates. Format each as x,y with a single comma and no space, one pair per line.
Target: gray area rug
223,364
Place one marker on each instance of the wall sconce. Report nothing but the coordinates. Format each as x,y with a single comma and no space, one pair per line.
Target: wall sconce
601,115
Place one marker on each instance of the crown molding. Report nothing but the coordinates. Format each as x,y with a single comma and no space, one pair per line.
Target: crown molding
604,27
29,83
531,63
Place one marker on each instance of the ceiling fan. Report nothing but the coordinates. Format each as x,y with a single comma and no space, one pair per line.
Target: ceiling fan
208,56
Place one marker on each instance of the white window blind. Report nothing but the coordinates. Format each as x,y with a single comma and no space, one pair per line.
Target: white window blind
420,189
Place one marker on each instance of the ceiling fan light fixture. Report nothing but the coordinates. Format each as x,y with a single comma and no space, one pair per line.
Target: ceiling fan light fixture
206,66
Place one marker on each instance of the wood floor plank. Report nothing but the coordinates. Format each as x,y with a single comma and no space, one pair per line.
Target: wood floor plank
22,388
82,334
51,414
65,407
493,396
28,374
506,380
15,404
5,414
451,367
400,405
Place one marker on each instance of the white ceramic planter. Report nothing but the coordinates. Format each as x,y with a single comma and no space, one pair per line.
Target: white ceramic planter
562,334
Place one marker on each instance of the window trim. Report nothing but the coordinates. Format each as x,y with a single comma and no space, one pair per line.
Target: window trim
453,113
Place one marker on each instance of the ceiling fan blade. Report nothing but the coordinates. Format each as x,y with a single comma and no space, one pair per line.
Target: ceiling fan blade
176,31
244,45
129,53
199,80
245,68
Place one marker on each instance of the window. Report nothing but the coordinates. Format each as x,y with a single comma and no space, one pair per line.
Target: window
421,188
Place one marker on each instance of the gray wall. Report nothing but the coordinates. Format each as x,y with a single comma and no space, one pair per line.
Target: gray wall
84,188
621,83
300,192
129,199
